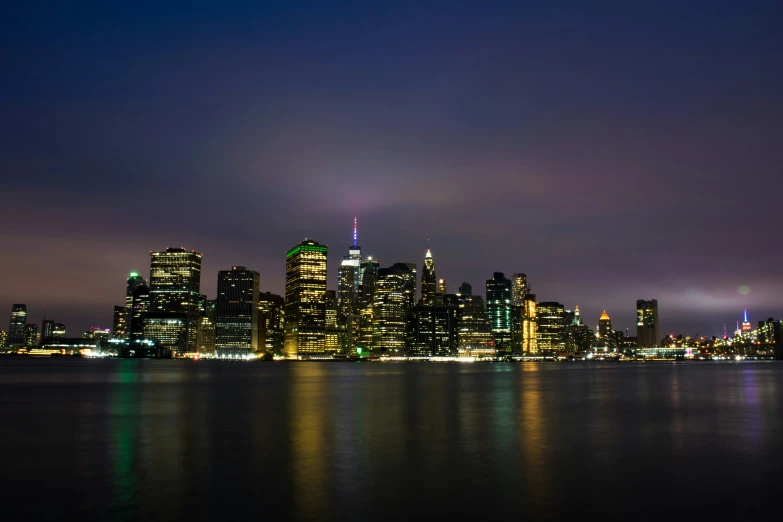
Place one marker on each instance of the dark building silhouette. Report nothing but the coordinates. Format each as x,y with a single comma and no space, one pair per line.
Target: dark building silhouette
236,312
431,330
271,323
16,328
647,334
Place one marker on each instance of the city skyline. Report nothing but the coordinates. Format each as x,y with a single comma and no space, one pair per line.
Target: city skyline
611,152
332,284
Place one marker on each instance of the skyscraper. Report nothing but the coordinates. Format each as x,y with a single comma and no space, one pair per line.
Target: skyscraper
475,336
431,330
173,316
47,330
305,299
272,323
31,335
647,335
530,326
206,328
604,330
428,280
499,310
140,305
395,293
335,329
550,327
3,339
429,287
349,278
16,328
134,281
119,329
519,289
236,312
59,332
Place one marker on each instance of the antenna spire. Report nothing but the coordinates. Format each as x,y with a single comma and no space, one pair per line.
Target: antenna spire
746,315
355,236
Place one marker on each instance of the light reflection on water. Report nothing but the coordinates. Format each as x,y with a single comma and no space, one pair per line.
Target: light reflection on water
177,439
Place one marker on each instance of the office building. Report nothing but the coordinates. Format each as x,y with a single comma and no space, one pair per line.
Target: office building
550,327
519,289
305,300
173,316
349,278
31,335
134,281
136,315
442,289
530,326
271,322
474,332
395,293
428,280
206,329
236,312
3,339
431,331
59,331
47,330
647,334
499,310
335,333
119,328
16,328
604,330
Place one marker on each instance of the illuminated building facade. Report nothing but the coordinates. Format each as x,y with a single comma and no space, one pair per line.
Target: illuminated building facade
647,335
431,331
519,289
428,280
349,278
206,328
59,331
335,332
395,293
173,316
119,329
550,327
140,305
604,330
236,312
16,328
305,300
31,335
364,330
271,322
499,310
746,326
474,333
3,339
578,337
530,326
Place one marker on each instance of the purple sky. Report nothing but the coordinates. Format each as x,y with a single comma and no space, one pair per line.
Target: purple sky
611,152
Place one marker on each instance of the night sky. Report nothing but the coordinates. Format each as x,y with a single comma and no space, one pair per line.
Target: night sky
610,150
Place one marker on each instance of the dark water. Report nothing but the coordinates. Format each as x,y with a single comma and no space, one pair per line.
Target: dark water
183,440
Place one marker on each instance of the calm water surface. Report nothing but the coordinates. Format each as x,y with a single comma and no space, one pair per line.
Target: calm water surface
185,440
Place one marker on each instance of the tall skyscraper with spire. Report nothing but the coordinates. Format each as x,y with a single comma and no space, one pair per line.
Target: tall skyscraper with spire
746,326
349,278
429,287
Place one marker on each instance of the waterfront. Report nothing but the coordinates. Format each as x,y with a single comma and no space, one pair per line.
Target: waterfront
181,439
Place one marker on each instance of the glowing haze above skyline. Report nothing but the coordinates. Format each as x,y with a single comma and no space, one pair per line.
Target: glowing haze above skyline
611,151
